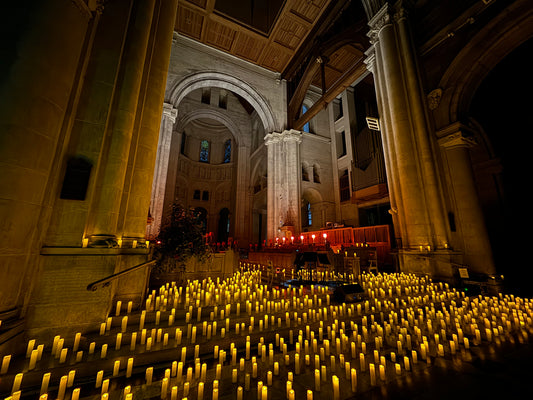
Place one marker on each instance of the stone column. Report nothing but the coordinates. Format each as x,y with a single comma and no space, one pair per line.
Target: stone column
455,141
410,159
102,224
242,198
161,169
284,175
388,145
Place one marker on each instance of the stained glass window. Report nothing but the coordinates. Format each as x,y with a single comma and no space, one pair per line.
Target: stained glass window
227,151
204,151
306,126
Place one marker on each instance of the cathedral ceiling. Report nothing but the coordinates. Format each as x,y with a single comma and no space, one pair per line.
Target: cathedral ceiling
268,33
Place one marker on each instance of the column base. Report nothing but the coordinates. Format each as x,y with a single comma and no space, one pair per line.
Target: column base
447,266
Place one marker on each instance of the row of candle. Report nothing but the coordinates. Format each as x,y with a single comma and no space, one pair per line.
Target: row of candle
479,307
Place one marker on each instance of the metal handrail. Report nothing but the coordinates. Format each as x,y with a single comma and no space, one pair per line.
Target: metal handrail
107,280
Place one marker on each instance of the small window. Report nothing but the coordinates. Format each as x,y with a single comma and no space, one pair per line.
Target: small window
227,151
183,143
223,99
344,186
196,195
305,174
316,174
343,144
204,151
309,215
306,126
206,96
205,195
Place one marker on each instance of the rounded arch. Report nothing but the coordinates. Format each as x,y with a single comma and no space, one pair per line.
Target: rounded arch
481,54
228,82
216,115
312,195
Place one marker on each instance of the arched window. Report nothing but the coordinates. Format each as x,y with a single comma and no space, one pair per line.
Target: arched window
305,173
227,151
307,216
306,126
204,151
316,173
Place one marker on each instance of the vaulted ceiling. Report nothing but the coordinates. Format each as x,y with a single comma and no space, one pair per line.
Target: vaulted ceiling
318,42
266,33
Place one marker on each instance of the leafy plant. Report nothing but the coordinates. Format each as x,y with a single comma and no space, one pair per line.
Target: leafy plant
179,239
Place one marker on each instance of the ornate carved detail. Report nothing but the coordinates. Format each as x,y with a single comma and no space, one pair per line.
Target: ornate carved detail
434,98
378,21
457,139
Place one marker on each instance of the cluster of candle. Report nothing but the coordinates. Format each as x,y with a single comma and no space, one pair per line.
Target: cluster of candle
239,335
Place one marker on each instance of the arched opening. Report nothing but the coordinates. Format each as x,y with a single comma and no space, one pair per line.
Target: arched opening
500,159
223,225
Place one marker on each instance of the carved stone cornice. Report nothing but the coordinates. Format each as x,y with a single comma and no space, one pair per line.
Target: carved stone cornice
456,135
381,19
370,59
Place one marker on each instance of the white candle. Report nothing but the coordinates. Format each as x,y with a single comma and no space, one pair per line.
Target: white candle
116,367
99,379
353,379
164,388
76,394
335,382
118,307
5,364
148,375
63,356
44,383
33,359
62,387
317,380
70,378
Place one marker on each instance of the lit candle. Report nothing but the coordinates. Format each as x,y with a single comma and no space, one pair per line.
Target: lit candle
63,356
164,388
317,380
62,387
372,374
99,379
5,364
33,359
129,367
200,390
148,375
70,378
335,382
353,378
44,383
76,394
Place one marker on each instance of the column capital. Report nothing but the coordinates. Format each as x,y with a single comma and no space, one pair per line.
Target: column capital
456,135
170,112
285,136
380,19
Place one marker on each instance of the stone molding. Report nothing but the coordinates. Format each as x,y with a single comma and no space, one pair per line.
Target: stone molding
285,136
456,135
170,112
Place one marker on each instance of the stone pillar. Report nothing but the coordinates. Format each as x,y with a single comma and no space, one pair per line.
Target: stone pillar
407,140
388,145
37,90
242,198
284,175
105,207
161,169
455,141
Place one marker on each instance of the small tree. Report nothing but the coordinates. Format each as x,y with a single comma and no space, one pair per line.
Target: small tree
179,239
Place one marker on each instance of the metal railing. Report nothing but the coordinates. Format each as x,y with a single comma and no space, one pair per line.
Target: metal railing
107,280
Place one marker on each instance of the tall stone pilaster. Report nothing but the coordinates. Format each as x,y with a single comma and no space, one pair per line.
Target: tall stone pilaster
161,169
455,141
105,207
284,176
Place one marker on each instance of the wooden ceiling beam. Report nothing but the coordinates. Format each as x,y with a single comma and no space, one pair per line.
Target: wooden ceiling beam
350,76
